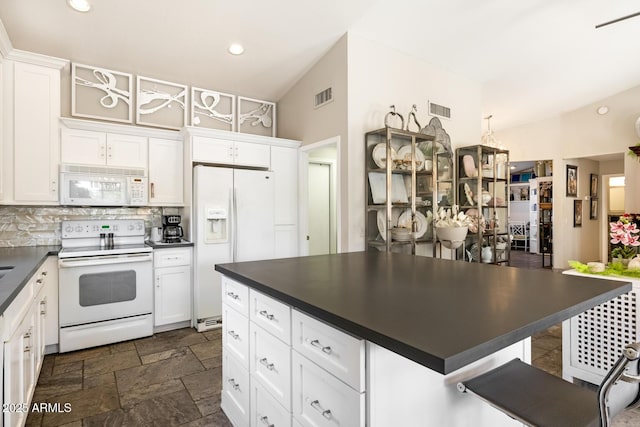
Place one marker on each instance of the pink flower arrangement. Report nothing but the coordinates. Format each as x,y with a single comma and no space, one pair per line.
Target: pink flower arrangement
624,232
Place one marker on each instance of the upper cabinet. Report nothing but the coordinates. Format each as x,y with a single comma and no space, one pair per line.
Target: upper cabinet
31,145
101,148
230,152
165,172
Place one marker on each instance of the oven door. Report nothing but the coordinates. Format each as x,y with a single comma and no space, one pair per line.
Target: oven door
94,289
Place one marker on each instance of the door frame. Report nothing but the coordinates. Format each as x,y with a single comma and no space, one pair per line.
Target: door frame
303,191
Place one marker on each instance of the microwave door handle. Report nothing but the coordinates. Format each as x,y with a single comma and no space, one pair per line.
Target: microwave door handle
104,260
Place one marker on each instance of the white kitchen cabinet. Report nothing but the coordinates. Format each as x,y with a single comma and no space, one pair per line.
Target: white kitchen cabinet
230,152
165,172
100,148
49,273
36,108
172,271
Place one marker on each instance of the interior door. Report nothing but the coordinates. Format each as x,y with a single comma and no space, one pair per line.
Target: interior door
319,209
254,212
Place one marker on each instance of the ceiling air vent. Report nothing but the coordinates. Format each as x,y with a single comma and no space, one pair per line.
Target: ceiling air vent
323,97
439,110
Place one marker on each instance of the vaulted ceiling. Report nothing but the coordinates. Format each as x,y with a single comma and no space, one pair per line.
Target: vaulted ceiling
534,58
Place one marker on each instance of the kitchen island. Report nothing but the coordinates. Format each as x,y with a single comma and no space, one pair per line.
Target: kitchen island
427,324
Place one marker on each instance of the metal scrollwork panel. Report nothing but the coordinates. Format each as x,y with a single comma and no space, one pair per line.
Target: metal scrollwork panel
213,110
161,104
99,93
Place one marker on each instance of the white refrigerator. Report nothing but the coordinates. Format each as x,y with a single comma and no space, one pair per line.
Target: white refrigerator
234,222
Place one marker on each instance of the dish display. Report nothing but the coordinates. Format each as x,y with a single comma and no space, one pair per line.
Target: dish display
378,183
382,225
379,155
404,157
405,221
469,165
469,194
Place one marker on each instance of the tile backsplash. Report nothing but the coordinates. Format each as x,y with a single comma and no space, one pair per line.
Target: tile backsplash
40,225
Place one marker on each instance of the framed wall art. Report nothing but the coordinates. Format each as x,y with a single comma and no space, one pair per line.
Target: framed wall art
593,212
99,93
161,104
213,110
572,181
256,117
577,213
593,187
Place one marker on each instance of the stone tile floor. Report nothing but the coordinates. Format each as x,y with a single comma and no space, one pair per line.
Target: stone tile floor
170,379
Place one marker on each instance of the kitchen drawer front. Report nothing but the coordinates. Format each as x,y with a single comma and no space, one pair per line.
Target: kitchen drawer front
236,394
271,314
235,334
235,295
320,399
171,257
270,363
265,410
339,353
16,311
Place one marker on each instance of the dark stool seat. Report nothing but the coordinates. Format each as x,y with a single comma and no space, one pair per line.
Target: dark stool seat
535,397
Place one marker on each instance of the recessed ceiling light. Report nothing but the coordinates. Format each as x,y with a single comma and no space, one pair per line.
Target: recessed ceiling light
80,5
236,49
602,110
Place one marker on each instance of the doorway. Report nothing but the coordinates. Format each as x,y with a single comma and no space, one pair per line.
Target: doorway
320,199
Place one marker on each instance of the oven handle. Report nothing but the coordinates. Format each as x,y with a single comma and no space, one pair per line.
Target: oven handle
104,260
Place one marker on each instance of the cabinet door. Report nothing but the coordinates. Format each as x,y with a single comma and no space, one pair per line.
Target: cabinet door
250,154
210,150
83,147
126,150
173,295
36,140
165,172
19,371
284,164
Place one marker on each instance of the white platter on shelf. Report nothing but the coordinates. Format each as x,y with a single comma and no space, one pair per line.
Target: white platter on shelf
405,221
379,155
404,153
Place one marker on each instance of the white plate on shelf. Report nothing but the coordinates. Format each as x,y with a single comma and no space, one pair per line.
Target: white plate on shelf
379,155
469,194
405,221
382,225
404,153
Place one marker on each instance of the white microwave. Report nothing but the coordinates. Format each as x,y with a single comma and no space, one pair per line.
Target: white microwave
82,185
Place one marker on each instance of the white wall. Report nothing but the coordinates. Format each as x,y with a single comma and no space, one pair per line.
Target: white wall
568,139
379,77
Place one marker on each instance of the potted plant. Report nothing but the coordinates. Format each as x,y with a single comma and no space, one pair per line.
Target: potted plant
624,232
451,226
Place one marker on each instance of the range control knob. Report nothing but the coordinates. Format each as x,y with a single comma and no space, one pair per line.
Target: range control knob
79,229
140,226
68,229
131,227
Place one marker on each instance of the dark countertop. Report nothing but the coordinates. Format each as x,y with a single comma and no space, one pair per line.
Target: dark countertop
441,314
160,245
26,260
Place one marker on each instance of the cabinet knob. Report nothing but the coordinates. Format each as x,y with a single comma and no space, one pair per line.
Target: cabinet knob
234,384
27,348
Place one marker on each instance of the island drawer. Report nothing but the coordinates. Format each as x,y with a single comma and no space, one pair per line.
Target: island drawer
235,334
320,399
235,295
270,363
265,410
339,353
270,314
236,393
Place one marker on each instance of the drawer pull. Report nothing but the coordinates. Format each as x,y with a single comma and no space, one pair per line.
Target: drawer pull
325,413
233,296
325,349
267,315
27,348
264,420
234,335
39,281
234,384
266,363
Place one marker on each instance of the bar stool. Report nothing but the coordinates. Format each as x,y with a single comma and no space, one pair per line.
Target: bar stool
537,398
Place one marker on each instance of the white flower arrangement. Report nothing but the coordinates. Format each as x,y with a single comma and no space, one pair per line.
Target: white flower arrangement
452,218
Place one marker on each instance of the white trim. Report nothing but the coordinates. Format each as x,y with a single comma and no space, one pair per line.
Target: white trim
5,42
37,59
119,128
236,136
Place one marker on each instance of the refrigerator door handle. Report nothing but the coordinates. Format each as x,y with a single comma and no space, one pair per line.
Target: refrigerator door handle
235,226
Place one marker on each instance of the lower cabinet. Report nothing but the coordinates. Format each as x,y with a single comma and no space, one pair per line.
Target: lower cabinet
26,325
172,297
301,372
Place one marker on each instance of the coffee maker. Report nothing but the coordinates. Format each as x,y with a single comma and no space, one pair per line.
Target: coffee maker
171,229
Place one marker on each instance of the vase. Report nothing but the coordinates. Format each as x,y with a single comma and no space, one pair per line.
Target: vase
451,237
486,254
